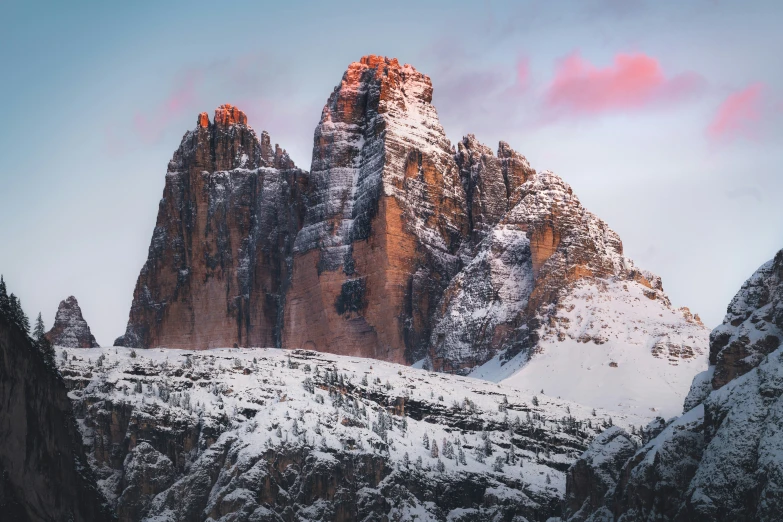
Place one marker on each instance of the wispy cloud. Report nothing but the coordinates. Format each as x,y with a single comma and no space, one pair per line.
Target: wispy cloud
739,116
252,77
150,126
632,82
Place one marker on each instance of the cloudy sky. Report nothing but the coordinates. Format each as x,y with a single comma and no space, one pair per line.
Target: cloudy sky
665,117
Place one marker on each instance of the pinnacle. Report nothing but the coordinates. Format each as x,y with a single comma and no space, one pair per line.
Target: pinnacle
227,114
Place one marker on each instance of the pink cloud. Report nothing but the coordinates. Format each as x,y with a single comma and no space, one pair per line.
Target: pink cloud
633,81
739,115
150,126
523,73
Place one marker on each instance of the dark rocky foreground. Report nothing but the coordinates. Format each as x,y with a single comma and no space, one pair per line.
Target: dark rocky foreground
44,474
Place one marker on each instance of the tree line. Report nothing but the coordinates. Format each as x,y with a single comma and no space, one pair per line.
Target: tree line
11,310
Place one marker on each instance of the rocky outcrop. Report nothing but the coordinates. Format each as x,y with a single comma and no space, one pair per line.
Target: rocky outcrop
753,326
723,459
44,474
596,472
509,294
219,260
491,183
384,220
70,329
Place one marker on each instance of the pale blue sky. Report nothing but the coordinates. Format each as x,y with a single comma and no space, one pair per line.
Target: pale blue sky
96,97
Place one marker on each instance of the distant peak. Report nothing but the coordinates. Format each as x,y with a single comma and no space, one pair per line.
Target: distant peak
203,120
226,115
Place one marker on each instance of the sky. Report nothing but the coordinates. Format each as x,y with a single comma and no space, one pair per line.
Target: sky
665,117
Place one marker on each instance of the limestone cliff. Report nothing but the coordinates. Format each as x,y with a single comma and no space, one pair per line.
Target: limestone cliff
384,220
218,263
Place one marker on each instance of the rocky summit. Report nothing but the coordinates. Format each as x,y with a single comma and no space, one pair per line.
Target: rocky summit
70,329
219,262
396,246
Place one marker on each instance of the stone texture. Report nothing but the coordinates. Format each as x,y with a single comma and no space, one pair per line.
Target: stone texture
491,183
753,326
70,329
43,470
525,264
385,206
596,473
219,259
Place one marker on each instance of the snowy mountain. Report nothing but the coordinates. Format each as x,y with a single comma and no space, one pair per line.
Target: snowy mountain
269,434
401,247
723,459
550,302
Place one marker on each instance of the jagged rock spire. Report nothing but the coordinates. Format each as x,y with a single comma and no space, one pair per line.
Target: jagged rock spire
70,329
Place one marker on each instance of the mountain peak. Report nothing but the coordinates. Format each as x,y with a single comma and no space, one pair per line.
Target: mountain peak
372,61
70,329
227,114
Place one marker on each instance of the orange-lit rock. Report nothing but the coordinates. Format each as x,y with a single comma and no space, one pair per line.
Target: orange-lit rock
384,219
227,114
218,260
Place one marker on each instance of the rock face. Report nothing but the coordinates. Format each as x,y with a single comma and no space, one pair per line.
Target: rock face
219,260
550,278
258,434
70,329
385,217
753,326
545,243
491,183
722,459
43,471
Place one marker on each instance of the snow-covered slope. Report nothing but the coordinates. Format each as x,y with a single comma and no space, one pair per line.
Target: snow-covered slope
723,459
608,345
549,302
267,434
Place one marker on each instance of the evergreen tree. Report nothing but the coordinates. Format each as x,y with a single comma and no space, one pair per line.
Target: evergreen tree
39,330
16,314
47,352
461,457
434,449
4,303
426,441
448,449
480,454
